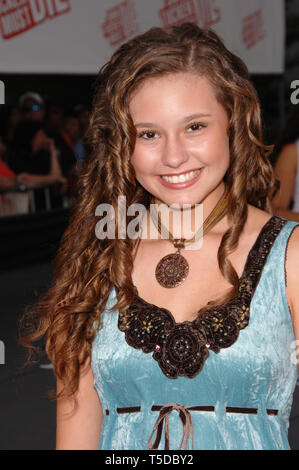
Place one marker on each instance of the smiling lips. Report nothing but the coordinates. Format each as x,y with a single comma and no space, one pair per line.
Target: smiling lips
181,181
181,178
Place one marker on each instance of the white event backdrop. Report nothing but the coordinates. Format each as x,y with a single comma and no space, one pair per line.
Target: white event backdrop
76,36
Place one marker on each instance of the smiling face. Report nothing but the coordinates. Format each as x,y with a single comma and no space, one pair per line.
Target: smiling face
182,149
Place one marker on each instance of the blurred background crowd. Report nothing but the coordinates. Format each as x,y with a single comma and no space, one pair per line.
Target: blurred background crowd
40,145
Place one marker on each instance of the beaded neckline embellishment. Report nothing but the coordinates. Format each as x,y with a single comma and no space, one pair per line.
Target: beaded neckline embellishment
182,348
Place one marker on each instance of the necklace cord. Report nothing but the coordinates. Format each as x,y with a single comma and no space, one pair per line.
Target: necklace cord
213,218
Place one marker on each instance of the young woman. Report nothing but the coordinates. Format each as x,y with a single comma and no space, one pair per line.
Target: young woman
194,333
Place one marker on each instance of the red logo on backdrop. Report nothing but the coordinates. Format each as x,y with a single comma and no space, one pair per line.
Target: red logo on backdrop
201,12
177,12
120,22
18,16
253,29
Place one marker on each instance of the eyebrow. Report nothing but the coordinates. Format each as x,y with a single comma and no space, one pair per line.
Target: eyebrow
186,119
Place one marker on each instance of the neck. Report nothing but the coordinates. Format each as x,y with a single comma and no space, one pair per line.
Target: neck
182,222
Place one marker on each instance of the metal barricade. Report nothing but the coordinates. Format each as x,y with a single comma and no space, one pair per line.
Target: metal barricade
21,199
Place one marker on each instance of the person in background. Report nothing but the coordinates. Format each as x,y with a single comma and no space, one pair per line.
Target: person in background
33,157
70,135
71,131
82,113
7,176
12,202
10,117
54,117
286,169
64,132
32,106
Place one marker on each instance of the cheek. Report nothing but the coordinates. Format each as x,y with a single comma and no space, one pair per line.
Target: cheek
216,148
143,161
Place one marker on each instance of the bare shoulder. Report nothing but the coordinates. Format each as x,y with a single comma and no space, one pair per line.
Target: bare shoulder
292,280
288,155
256,220
289,149
79,428
292,265
292,270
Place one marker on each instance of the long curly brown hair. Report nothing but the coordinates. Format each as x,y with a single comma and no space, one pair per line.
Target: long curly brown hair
68,315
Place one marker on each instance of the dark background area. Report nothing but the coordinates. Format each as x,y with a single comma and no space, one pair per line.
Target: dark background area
66,90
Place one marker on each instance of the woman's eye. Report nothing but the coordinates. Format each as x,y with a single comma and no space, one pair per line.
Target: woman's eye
196,126
147,135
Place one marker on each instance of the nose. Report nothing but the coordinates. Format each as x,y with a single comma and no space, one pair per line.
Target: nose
175,152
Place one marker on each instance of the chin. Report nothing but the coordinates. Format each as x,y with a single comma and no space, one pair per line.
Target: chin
178,201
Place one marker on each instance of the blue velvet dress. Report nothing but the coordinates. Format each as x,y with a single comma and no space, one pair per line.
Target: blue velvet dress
243,391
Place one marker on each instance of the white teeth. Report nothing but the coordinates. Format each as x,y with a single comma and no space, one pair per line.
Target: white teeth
181,178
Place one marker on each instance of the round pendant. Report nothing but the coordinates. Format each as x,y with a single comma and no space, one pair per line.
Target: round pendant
172,270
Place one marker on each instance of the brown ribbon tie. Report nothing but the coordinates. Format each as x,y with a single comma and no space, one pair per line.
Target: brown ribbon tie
186,420
185,417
